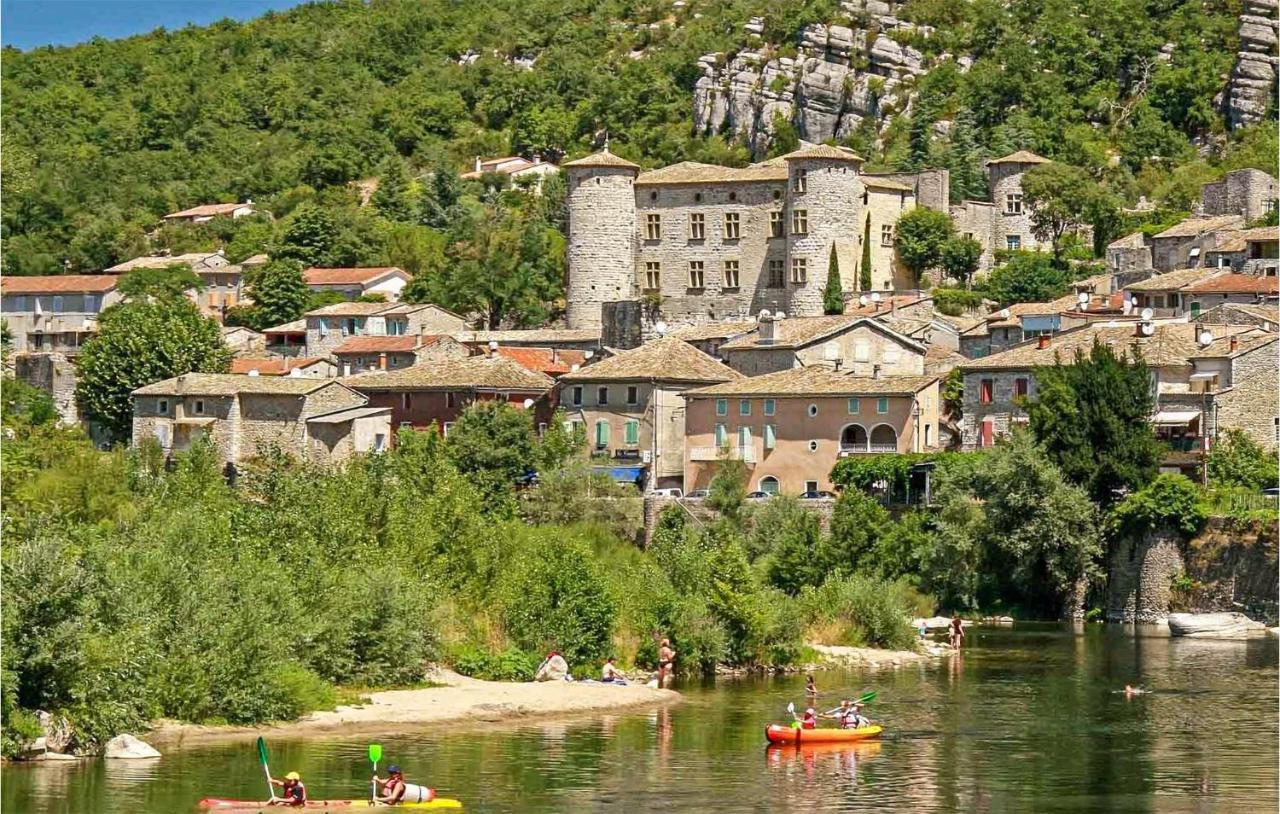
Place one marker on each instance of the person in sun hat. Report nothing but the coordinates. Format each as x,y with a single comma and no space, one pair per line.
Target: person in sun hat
292,790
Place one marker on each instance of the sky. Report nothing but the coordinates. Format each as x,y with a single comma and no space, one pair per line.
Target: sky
32,23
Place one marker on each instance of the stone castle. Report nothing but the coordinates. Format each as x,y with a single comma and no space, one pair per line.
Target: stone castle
701,243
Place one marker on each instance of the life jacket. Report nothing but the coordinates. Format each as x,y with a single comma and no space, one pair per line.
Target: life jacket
296,793
808,721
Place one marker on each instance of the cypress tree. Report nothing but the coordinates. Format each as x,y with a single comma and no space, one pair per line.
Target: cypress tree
864,277
833,294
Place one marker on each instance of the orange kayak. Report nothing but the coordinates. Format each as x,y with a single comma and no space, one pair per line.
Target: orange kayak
787,734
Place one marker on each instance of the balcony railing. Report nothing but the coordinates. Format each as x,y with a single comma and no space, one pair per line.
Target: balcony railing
866,449
728,453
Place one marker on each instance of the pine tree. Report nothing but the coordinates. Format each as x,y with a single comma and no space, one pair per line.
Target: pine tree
393,199
965,160
864,277
833,294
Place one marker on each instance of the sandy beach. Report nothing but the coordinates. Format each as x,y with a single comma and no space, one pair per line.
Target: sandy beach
459,702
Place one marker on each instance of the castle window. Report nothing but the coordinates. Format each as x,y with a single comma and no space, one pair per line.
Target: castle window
162,406
697,197
653,196
577,396
777,194
775,224
652,227
800,178
602,396
733,196
652,276
800,222
886,235
1013,242
697,226
776,279
775,274
799,270
731,225
697,277
731,274
1013,203
633,394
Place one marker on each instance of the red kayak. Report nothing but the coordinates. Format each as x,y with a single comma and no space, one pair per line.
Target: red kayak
794,735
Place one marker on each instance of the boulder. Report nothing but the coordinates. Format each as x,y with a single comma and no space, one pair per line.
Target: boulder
127,747
1214,625
932,623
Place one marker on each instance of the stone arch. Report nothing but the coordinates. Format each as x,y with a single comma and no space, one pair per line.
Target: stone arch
769,484
884,438
854,438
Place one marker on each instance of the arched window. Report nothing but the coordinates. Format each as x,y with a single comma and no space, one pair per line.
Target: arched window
884,439
853,438
928,440
769,485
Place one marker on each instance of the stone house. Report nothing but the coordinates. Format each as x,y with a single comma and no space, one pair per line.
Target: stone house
331,326
789,428
244,340
222,283
54,373
709,337
362,354
1189,292
311,367
1163,293
1261,251
1004,223
353,283
558,338
314,419
207,212
1130,254
1182,245
289,339
859,345
629,407
1263,316
436,392
56,313
1247,193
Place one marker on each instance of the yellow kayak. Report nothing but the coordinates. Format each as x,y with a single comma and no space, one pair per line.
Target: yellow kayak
262,807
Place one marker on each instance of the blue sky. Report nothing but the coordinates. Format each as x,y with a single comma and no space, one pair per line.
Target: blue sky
31,23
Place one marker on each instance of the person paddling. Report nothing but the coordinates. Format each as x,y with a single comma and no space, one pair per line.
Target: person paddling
392,788
809,720
292,790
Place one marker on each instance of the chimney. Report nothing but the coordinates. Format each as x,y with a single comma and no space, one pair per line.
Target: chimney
766,334
382,361
1235,343
877,306
875,372
893,306
1042,341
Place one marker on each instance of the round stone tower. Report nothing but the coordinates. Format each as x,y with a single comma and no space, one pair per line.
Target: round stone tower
824,210
602,235
1012,214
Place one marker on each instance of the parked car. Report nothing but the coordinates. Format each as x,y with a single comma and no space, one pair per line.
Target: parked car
819,495
667,493
1272,491
757,495
697,494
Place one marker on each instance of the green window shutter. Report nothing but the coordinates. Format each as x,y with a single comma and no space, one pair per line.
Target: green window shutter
882,406
633,432
721,435
722,406
744,407
744,436
855,406
770,406
770,436
602,433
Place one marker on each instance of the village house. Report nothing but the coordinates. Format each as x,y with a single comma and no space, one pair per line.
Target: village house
329,327
522,171
1261,251
362,354
1248,193
1182,245
629,408
222,283
207,212
558,338
709,337
1262,315
789,428
57,312
1005,222
435,393
243,340
383,281
311,367
245,416
289,339
551,362
1188,292
857,344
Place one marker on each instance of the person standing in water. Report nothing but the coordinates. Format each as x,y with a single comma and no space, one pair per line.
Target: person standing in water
957,631
810,689
666,660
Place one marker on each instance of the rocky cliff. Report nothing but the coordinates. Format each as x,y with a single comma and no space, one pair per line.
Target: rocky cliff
1253,80
840,75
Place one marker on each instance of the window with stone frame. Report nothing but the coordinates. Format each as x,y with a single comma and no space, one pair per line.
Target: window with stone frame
800,180
732,221
799,270
1013,242
886,234
776,278
697,275
731,274
986,391
1013,203
800,222
697,226
653,226
775,224
652,276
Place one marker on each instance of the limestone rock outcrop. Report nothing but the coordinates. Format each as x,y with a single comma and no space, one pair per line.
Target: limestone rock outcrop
1214,625
127,747
1253,79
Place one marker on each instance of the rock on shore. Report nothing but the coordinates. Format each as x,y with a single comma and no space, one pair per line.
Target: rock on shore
127,747
1214,625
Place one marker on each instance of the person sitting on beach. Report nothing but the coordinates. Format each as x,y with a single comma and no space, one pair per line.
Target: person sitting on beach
810,719
610,674
292,793
554,668
392,788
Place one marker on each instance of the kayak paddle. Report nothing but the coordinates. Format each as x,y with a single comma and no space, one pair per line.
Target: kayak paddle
375,755
262,756
867,696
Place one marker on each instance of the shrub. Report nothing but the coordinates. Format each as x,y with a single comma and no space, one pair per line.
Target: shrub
1170,501
867,611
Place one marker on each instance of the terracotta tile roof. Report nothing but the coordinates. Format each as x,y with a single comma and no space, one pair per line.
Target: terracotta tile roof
713,330
825,152
1020,157
351,309
799,332
1227,242
603,158
229,384
1235,284
378,344
348,276
887,305
1198,226
58,284
667,359
272,365
1220,348
1173,280
298,326
691,172
816,380
551,361
465,373
1136,240
208,210
939,361
532,335
1171,344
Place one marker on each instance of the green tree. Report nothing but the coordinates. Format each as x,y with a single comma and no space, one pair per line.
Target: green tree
964,159
959,258
493,444
1063,199
864,274
169,282
309,237
796,559
279,294
1091,416
1238,460
728,489
394,199
141,341
438,203
511,269
833,294
921,234
857,522
1169,502
1025,277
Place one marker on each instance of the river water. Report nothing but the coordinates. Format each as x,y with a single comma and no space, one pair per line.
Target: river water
1025,720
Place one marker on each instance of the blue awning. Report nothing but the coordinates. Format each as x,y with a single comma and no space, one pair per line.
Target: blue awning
622,474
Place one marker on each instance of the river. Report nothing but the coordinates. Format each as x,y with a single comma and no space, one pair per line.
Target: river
1025,720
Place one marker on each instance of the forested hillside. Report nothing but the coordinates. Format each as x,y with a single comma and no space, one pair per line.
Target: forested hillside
101,139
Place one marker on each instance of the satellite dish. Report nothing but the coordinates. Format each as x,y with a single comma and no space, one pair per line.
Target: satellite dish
863,300
781,315
764,314
1205,337
1147,314
1083,299
660,328
1148,329
1128,307
587,354
528,403
1004,313
493,344
876,297
253,372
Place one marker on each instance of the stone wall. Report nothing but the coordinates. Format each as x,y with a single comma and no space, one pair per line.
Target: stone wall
1230,314
1240,192
1253,79
1001,411
1006,179
832,198
54,374
602,230
1232,568
1140,578
1251,405
622,324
